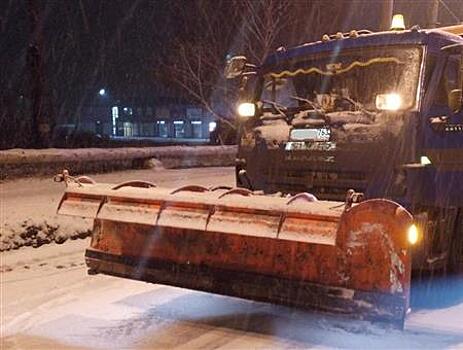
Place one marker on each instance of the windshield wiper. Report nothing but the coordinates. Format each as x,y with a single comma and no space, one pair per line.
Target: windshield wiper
357,105
280,109
316,107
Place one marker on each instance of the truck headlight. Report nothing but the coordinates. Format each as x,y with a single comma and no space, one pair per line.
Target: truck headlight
247,109
388,102
412,234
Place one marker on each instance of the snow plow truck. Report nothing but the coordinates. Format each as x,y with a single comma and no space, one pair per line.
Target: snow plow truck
349,178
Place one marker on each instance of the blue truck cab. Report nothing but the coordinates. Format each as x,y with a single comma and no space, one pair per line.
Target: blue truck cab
379,113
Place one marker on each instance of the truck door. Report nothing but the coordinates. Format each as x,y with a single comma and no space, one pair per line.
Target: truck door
443,134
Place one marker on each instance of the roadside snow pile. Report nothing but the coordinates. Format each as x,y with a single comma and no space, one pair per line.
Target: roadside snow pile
23,162
28,205
38,232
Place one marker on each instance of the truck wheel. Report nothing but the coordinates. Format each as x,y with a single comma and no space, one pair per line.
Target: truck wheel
438,282
456,246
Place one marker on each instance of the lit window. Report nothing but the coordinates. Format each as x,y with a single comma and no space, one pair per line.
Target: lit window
212,126
128,110
128,129
179,128
196,129
115,115
162,128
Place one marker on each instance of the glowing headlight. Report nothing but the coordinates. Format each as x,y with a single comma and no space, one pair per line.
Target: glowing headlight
246,109
425,160
388,102
412,234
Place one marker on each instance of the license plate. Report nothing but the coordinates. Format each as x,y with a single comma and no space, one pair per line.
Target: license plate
310,146
312,134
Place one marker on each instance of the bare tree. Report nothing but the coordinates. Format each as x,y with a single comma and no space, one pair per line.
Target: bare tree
387,7
263,22
432,14
197,65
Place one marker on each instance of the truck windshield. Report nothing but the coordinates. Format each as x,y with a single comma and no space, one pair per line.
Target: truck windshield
358,77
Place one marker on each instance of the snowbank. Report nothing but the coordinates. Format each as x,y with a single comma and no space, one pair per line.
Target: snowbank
23,162
28,205
37,232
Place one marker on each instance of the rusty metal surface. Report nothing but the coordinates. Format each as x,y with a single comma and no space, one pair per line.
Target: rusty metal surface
360,304
307,242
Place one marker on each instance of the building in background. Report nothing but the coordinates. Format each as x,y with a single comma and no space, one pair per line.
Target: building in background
163,120
166,121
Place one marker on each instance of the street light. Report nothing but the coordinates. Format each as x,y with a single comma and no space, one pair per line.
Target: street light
102,92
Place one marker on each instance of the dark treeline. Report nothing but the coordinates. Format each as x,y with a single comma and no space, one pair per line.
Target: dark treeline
56,55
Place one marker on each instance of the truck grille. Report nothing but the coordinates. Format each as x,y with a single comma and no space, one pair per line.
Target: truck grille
327,185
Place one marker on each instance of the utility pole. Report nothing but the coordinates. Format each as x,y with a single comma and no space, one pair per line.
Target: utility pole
386,11
41,108
432,14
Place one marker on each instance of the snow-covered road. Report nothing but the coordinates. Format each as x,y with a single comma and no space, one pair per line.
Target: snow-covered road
49,301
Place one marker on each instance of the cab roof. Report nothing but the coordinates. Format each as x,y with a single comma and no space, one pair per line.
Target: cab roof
434,39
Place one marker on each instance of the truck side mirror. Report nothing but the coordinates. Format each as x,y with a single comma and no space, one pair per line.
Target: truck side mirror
235,67
455,100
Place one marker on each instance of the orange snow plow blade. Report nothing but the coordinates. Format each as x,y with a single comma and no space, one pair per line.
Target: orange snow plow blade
295,251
